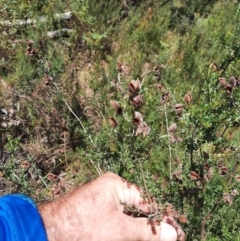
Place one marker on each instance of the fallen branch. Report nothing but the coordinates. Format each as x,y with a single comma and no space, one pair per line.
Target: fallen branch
64,32
59,16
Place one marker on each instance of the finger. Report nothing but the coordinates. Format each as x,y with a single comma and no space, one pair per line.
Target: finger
126,193
140,229
130,194
171,221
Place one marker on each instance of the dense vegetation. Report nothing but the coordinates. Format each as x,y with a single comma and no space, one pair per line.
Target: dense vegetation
146,89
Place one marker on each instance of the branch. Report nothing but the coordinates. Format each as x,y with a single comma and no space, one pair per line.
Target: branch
58,16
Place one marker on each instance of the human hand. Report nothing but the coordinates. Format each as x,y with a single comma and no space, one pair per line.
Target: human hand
95,211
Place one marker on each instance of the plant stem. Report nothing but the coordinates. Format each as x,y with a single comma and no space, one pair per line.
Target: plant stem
169,145
81,124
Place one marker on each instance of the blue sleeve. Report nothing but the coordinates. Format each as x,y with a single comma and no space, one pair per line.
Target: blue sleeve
20,219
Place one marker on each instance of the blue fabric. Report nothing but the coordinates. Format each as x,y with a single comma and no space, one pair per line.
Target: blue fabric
20,219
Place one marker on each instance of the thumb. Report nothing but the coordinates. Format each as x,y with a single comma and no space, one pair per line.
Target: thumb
142,230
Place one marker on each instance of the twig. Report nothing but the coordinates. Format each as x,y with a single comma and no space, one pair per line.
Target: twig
81,124
209,230
224,131
60,92
203,223
97,168
43,181
169,145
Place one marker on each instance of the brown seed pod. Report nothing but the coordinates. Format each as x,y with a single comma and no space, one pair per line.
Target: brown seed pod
137,101
161,87
143,129
173,127
112,122
134,86
170,210
223,170
177,174
234,193
188,98
120,67
52,177
116,106
232,81
238,82
165,96
179,106
215,67
139,130
137,119
237,178
175,139
194,176
149,13
48,64
146,130
179,109
29,42
47,79
182,218
227,198
228,89
158,69
222,81
25,164
210,173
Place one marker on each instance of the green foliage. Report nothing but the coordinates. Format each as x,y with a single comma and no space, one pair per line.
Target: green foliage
57,119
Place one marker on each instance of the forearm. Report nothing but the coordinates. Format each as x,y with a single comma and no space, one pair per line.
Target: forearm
64,217
61,219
